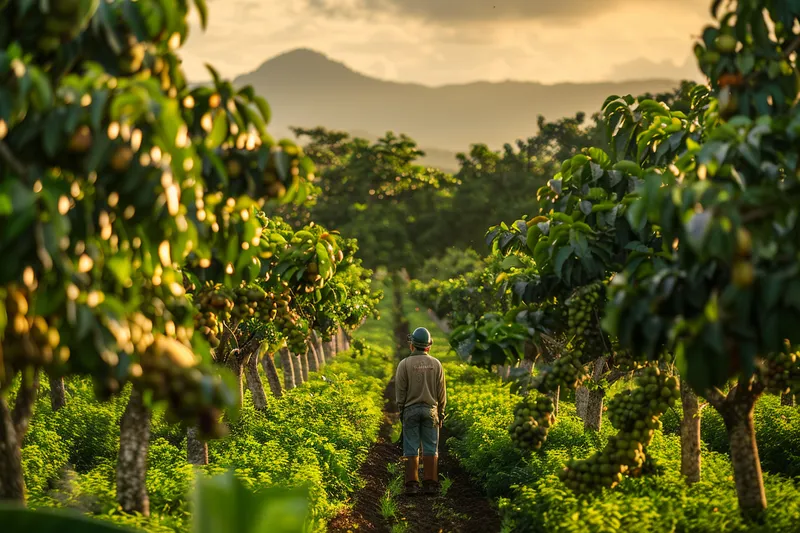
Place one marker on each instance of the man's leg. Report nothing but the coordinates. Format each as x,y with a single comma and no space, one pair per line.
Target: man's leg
430,450
411,438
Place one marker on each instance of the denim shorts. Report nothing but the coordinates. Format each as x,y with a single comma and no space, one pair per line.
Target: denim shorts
420,428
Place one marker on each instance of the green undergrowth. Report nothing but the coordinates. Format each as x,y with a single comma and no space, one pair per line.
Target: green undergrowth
533,499
316,435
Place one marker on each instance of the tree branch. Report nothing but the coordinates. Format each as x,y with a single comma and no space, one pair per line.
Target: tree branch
716,398
11,160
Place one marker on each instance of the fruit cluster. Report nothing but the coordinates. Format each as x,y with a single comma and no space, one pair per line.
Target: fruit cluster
62,23
28,340
219,304
533,416
636,415
781,372
169,370
583,323
567,372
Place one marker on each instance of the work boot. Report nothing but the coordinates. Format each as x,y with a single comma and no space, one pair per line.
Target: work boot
430,472
412,476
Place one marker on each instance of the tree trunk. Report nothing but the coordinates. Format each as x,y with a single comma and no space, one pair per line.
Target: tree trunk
13,426
581,401
196,450
237,367
287,365
787,399
594,403
58,394
254,382
737,412
345,339
554,397
317,340
690,435
268,363
327,349
304,364
313,360
746,465
134,439
299,371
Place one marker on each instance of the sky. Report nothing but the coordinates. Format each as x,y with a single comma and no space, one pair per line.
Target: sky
439,42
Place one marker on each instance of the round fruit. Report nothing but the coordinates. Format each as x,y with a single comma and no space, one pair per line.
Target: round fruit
744,242
81,140
122,158
743,274
725,44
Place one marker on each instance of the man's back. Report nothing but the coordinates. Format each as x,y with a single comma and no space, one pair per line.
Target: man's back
420,379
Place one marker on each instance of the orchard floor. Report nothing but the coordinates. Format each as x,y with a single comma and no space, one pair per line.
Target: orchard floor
462,509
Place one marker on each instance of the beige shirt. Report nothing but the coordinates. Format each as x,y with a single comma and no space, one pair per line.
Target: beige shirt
420,379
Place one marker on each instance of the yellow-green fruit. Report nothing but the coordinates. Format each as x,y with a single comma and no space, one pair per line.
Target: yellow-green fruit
743,274
725,44
122,158
81,140
744,242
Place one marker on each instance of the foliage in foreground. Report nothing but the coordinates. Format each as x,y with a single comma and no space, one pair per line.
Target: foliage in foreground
533,499
316,435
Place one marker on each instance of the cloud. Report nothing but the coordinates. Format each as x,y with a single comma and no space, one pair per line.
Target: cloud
484,11
644,68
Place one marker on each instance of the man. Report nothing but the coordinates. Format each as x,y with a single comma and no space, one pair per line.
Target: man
421,398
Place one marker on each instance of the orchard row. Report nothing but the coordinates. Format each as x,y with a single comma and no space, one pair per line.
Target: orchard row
672,249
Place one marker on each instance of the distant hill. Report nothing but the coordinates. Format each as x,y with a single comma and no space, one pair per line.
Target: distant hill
306,88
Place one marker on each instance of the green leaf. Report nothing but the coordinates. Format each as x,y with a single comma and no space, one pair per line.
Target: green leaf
18,519
121,267
223,503
263,108
561,257
202,10
218,133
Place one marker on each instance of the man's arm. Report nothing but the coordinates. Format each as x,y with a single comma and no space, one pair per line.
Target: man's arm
400,385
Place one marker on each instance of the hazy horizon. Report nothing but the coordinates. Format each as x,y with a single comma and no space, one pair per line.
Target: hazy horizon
448,42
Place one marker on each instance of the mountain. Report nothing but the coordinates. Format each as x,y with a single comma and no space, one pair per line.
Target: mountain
306,88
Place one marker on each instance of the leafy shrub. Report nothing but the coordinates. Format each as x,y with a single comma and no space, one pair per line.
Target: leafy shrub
777,433
532,499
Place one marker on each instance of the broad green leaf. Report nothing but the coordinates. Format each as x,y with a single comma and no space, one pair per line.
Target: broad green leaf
18,519
219,131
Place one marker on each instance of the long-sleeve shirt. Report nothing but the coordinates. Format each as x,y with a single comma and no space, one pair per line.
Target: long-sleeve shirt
420,379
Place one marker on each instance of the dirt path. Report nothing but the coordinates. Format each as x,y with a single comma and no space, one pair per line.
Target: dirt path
463,509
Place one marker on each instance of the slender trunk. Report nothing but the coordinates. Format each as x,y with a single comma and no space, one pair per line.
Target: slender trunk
327,349
301,366
554,397
287,364
237,367
345,339
746,465
268,363
581,401
736,409
13,426
297,364
320,352
690,435
254,382
134,439
594,403
787,399
58,393
313,360
196,449
12,486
